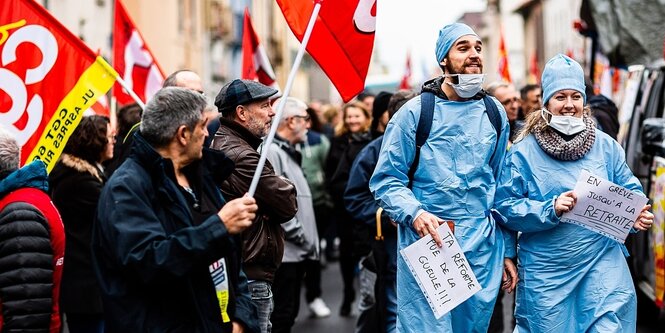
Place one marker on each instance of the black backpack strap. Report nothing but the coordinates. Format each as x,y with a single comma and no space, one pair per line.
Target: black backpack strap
495,119
423,129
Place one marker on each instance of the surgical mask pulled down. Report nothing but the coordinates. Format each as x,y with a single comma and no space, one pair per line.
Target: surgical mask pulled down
468,84
568,125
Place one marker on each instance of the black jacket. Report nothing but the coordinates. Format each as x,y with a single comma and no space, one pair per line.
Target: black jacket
75,186
153,260
32,246
343,151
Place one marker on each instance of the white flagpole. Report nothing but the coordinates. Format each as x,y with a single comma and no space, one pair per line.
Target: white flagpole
122,82
280,108
131,92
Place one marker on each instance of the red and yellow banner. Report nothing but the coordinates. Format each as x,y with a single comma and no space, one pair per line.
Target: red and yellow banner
48,78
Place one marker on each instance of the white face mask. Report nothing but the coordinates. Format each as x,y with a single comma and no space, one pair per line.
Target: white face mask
568,125
469,84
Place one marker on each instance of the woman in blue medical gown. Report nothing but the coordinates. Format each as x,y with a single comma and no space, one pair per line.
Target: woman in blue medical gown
571,279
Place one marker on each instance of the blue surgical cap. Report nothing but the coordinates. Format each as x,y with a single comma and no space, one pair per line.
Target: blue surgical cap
561,73
448,35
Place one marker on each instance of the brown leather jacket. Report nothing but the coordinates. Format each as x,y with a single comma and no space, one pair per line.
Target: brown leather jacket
263,242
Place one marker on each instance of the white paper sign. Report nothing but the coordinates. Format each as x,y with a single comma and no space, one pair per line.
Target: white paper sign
605,207
443,273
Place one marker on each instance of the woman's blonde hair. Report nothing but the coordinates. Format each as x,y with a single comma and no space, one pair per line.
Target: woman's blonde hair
534,121
342,128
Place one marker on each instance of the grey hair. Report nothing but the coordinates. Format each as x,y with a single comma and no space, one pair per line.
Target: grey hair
492,87
292,107
9,152
170,108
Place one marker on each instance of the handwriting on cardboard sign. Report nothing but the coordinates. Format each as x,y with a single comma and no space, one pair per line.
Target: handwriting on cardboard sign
604,207
443,273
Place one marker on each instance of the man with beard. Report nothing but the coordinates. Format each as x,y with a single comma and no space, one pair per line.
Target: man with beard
455,180
246,115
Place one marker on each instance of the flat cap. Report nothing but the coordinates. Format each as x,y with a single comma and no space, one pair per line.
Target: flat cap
241,92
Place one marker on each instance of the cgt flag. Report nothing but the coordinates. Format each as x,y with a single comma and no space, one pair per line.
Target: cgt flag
255,63
133,60
342,39
48,78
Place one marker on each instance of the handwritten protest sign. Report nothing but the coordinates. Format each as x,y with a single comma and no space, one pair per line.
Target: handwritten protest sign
604,207
443,273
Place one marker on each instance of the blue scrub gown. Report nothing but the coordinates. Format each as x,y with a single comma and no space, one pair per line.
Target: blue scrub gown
454,181
571,279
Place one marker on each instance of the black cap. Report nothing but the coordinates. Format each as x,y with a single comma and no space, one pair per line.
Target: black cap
241,92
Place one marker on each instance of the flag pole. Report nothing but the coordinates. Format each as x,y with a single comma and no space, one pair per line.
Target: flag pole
280,107
130,92
122,82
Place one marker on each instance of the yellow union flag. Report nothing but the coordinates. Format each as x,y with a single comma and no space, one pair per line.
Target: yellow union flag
95,82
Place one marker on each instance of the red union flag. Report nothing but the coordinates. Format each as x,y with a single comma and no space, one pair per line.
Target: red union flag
405,83
503,68
255,63
342,39
133,60
48,78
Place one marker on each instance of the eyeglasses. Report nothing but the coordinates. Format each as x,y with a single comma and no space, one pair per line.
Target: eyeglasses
306,118
509,101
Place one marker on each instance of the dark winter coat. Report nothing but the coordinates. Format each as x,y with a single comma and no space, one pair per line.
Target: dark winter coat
32,245
152,259
75,186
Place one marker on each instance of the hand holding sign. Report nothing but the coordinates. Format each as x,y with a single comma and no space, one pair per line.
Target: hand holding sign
443,273
565,202
645,220
605,207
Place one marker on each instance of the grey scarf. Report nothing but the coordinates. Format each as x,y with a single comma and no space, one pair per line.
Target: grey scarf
556,146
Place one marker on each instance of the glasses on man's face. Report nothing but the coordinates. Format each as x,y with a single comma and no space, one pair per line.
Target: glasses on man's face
509,101
306,118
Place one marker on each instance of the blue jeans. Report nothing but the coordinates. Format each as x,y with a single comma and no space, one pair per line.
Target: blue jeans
261,294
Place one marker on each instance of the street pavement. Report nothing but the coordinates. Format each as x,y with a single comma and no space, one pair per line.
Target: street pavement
331,284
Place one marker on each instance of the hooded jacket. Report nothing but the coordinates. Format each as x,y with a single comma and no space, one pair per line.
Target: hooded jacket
31,253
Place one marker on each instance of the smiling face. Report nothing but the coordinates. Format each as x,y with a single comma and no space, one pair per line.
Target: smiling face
464,57
355,119
566,102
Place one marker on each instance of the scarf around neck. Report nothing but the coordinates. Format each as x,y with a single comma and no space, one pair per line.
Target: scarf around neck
556,146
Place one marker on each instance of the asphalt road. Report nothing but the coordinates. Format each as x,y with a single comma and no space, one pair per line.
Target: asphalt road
332,294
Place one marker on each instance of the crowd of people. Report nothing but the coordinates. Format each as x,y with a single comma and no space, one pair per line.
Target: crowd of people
148,227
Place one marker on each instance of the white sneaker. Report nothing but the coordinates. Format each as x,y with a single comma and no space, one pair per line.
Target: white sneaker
319,308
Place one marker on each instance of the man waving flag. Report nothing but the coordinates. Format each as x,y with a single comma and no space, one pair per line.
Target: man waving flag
48,78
